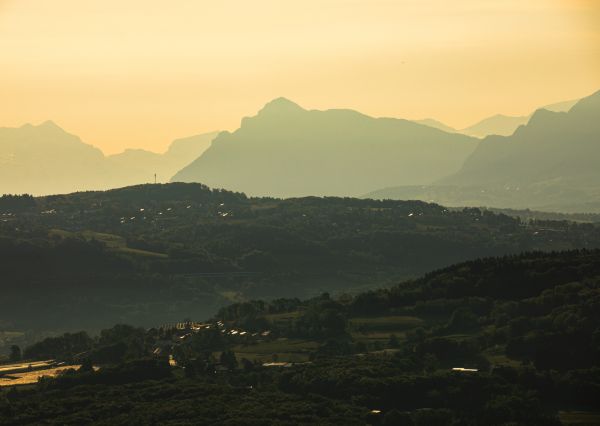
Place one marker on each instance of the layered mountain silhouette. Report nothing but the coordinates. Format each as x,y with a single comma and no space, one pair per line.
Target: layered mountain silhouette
138,166
437,125
503,125
287,151
45,159
499,124
551,163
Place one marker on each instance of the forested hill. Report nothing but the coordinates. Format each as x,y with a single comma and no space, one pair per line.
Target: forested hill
496,341
154,253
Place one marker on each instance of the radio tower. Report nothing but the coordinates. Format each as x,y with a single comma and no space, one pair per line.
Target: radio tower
154,178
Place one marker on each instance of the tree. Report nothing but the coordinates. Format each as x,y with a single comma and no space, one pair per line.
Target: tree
247,364
397,418
15,353
228,360
430,363
86,365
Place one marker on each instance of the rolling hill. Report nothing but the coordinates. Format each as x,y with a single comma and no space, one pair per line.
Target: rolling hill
157,253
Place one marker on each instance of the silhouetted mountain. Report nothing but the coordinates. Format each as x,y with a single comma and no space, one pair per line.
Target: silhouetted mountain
552,163
45,159
504,125
138,166
286,150
561,106
496,125
436,125
552,146
185,150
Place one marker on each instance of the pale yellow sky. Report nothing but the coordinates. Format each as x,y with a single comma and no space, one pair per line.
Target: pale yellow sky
140,73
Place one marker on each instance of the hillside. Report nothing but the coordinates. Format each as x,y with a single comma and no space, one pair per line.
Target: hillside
287,151
549,164
155,253
511,340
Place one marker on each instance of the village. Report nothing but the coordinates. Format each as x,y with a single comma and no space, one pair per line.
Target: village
172,336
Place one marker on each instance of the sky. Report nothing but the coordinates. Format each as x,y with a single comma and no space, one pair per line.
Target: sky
140,73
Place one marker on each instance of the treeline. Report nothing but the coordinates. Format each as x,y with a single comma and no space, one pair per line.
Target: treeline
143,253
529,324
16,203
544,308
112,346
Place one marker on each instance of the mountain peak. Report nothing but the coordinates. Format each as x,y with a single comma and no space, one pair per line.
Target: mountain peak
588,105
49,124
281,105
541,115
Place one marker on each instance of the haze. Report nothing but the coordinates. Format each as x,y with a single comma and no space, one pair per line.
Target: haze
142,73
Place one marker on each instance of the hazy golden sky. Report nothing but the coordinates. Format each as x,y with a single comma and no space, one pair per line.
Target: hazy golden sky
139,73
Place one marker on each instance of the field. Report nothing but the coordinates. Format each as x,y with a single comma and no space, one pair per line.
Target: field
579,418
31,377
22,365
372,329
8,338
113,242
283,350
497,356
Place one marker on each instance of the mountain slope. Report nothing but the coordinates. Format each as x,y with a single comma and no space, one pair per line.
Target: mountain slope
45,159
551,164
288,151
554,146
139,166
436,125
505,125
496,125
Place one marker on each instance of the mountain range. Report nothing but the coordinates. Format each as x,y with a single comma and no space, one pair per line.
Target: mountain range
551,163
288,151
499,124
545,161
45,159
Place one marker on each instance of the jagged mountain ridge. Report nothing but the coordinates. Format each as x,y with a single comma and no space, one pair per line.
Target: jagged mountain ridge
287,151
549,164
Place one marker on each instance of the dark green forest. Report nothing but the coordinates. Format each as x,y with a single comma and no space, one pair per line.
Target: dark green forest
154,254
237,310
527,325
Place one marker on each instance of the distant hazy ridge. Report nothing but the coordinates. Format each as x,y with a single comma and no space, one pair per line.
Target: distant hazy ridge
287,151
551,163
45,159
